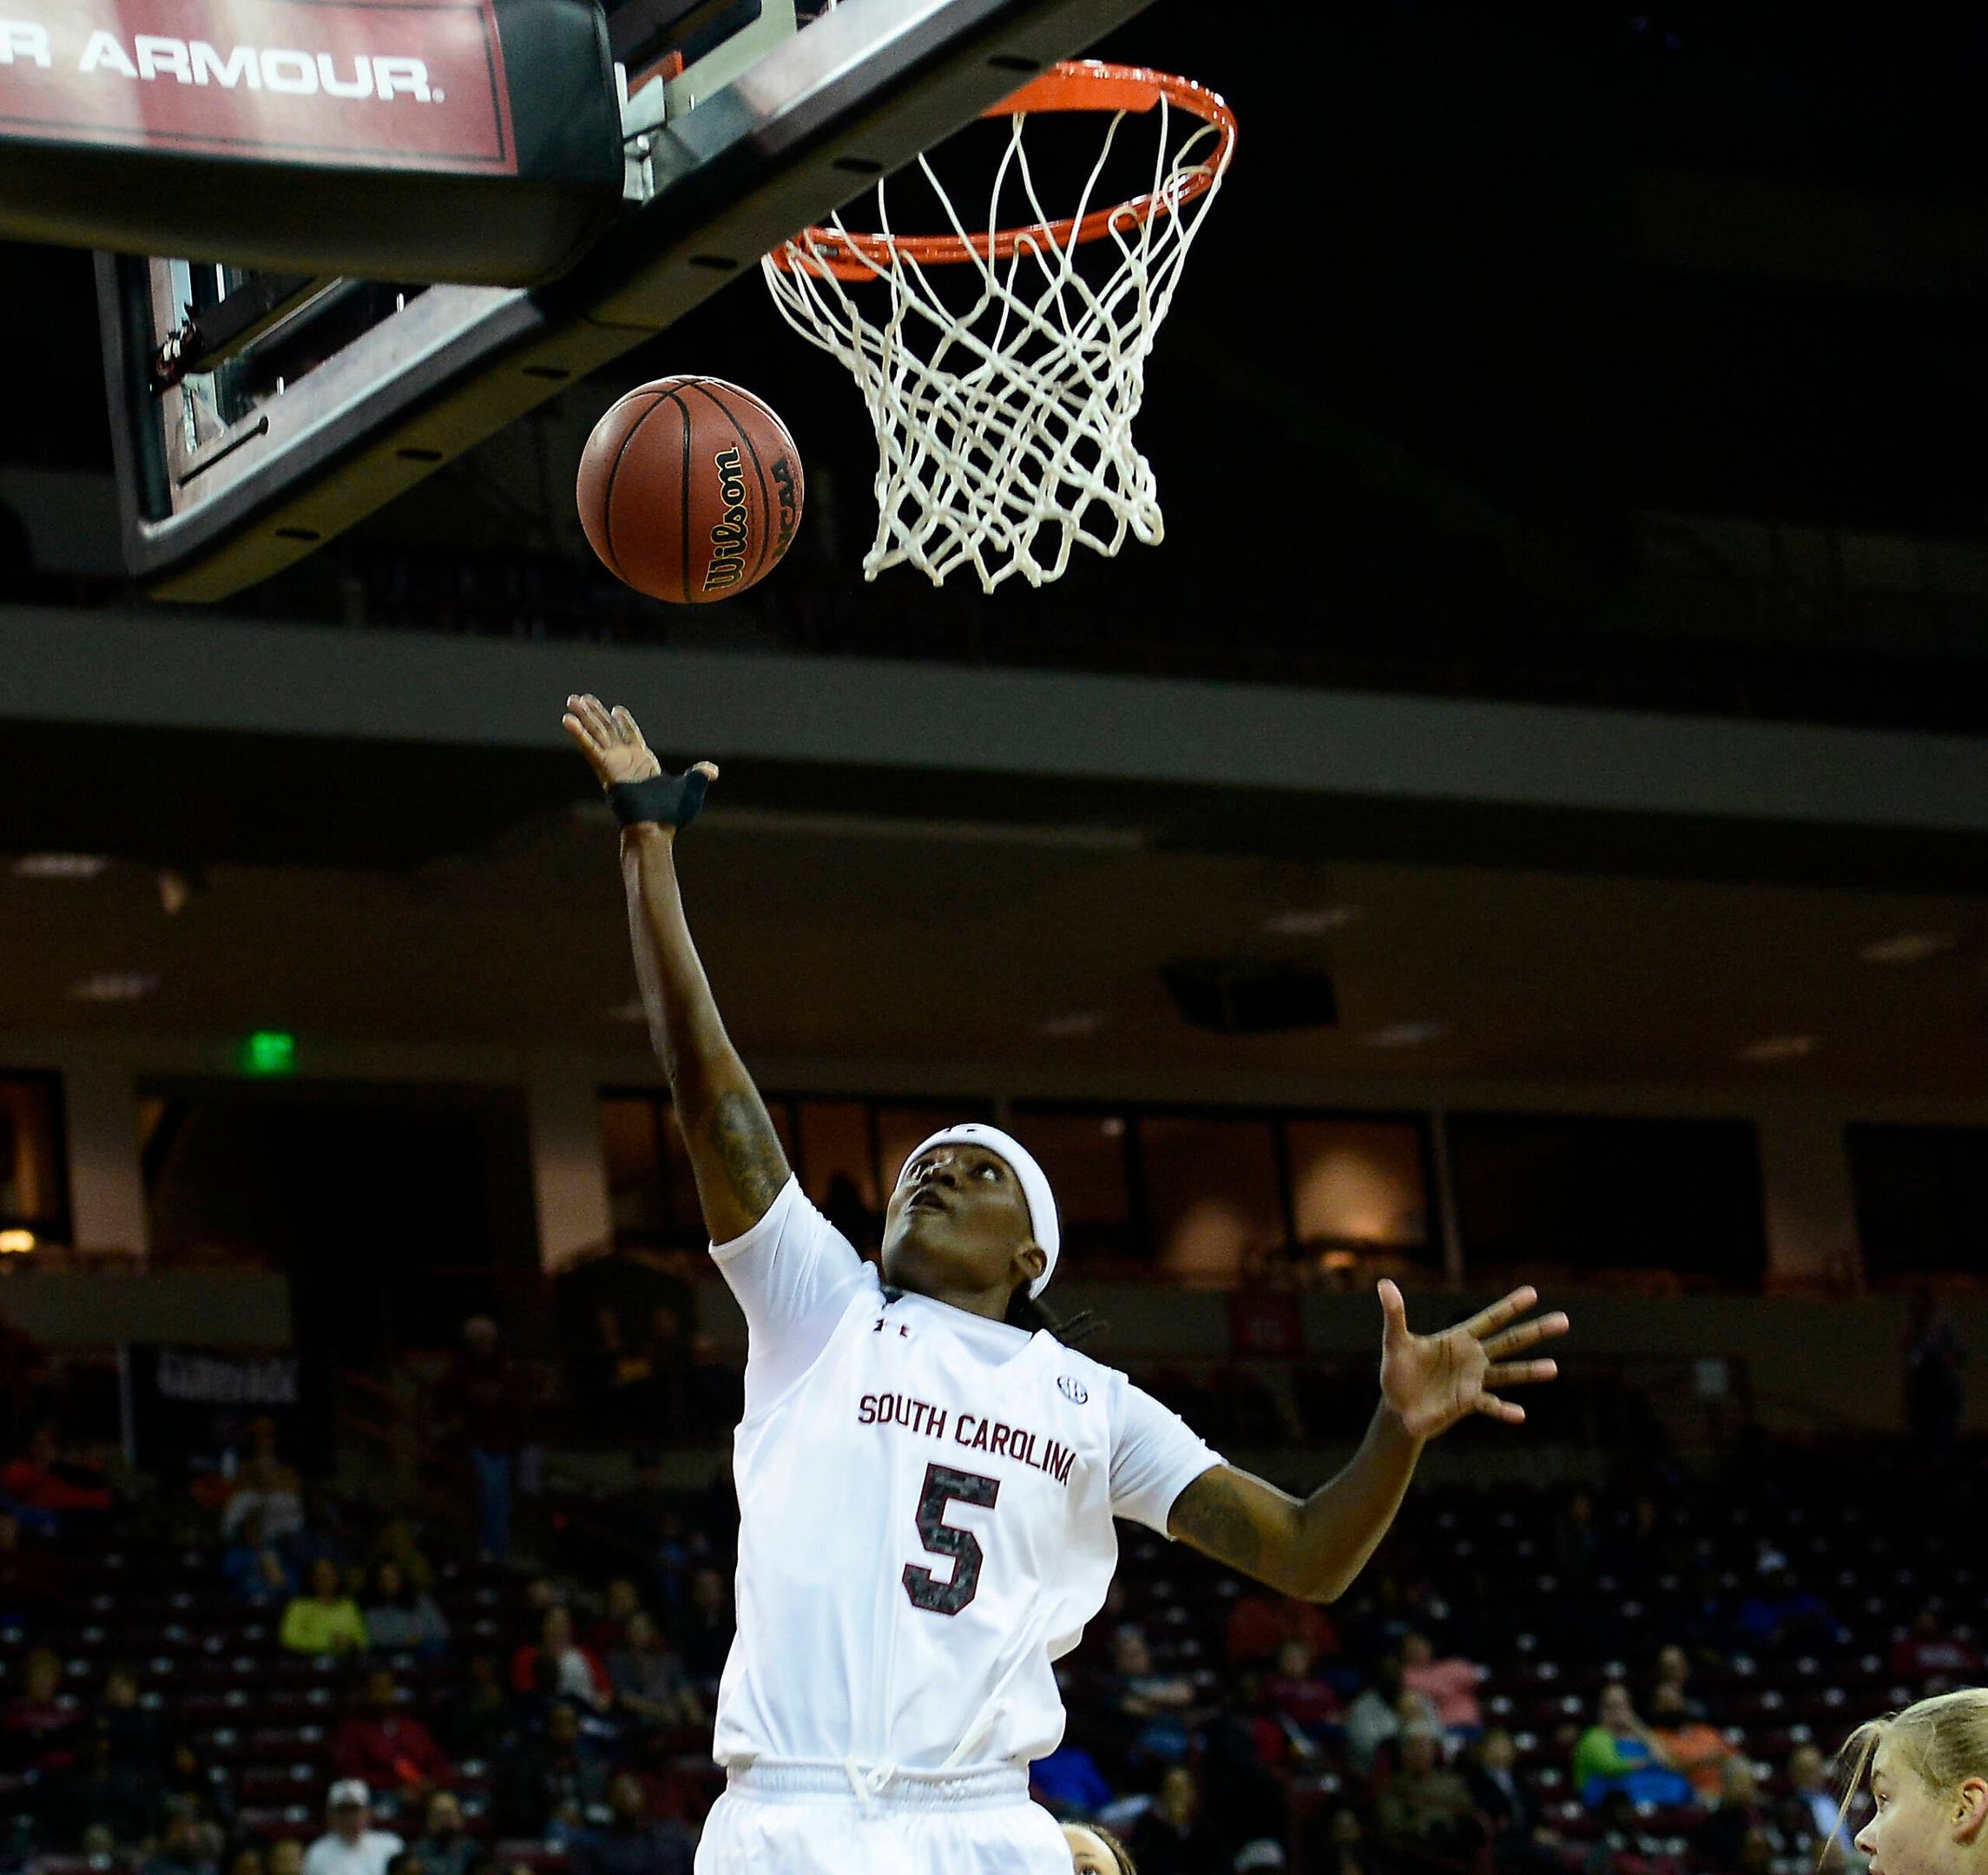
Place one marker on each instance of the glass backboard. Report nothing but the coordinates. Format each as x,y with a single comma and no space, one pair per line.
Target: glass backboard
260,411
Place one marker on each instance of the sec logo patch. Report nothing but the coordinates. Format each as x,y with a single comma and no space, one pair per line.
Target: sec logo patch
1072,1388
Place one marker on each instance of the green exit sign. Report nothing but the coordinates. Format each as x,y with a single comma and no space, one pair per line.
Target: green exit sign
269,1051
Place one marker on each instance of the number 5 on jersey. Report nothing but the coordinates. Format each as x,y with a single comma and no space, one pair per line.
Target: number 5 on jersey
942,1485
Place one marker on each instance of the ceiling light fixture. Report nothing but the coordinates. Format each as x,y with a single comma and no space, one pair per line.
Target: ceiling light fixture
1779,1048
1313,922
16,1242
1908,947
114,986
1406,1034
1074,1026
59,865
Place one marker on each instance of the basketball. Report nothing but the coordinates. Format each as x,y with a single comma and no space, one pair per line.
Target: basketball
690,490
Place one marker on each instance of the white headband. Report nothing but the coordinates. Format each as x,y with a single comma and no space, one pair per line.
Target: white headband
1035,1185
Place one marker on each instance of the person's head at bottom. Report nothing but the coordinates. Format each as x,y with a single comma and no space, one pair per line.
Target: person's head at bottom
628,1802
1928,1767
348,1809
972,1222
1094,1851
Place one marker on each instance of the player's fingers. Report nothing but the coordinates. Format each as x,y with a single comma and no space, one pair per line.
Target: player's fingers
1393,1310
708,769
625,725
595,714
1519,1373
580,732
1525,1335
1486,1320
1494,1408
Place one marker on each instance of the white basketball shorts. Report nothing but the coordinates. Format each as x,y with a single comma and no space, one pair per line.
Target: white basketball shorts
792,1819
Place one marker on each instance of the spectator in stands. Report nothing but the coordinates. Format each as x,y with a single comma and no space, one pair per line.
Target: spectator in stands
707,1627
255,1569
38,1724
1926,1652
1299,1698
396,1543
1244,1795
1094,1851
672,1795
1697,1752
286,1857
247,1860
1520,1843
324,1537
1450,1684
1820,1812
559,1667
31,1572
1782,1613
1620,1752
477,1723
350,1846
1936,1378
138,1739
607,1635
57,1483
399,1621
1673,1670
649,1682
1375,1719
190,1781
96,1790
487,1400
1425,1802
631,1843
267,1492
327,1619
1068,1783
1621,1848
1174,1837
549,1782
446,1846
182,1847
389,1750
1148,1705
1261,1623
1346,1850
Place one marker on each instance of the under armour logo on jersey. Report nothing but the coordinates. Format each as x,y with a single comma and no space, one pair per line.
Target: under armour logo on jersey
903,1331
1072,1389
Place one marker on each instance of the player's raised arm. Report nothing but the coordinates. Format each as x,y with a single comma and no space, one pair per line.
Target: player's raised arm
734,1150
1315,1546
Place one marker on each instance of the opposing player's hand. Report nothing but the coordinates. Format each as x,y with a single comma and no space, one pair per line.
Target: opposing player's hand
612,742
1432,1381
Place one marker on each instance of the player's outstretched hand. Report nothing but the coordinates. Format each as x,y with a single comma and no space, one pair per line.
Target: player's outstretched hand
612,742
1433,1381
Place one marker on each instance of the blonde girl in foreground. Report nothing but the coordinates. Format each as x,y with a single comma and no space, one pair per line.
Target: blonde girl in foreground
1928,1779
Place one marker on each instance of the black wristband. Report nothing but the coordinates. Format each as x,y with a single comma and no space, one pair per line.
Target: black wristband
670,799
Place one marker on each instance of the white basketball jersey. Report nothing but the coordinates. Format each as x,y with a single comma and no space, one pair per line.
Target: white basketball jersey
925,1501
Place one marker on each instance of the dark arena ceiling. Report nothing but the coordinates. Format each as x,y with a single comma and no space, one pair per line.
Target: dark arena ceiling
1602,354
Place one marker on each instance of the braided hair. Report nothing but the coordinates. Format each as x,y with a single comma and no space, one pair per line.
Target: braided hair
1025,1312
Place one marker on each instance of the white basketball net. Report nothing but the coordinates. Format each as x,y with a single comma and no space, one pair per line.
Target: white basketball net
1004,418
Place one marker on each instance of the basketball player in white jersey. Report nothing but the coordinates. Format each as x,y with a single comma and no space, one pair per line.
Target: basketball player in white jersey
926,1486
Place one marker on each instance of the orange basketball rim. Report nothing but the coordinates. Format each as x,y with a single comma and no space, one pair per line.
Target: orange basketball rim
1070,85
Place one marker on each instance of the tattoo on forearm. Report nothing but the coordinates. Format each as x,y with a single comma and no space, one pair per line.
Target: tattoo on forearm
1211,1516
749,1150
